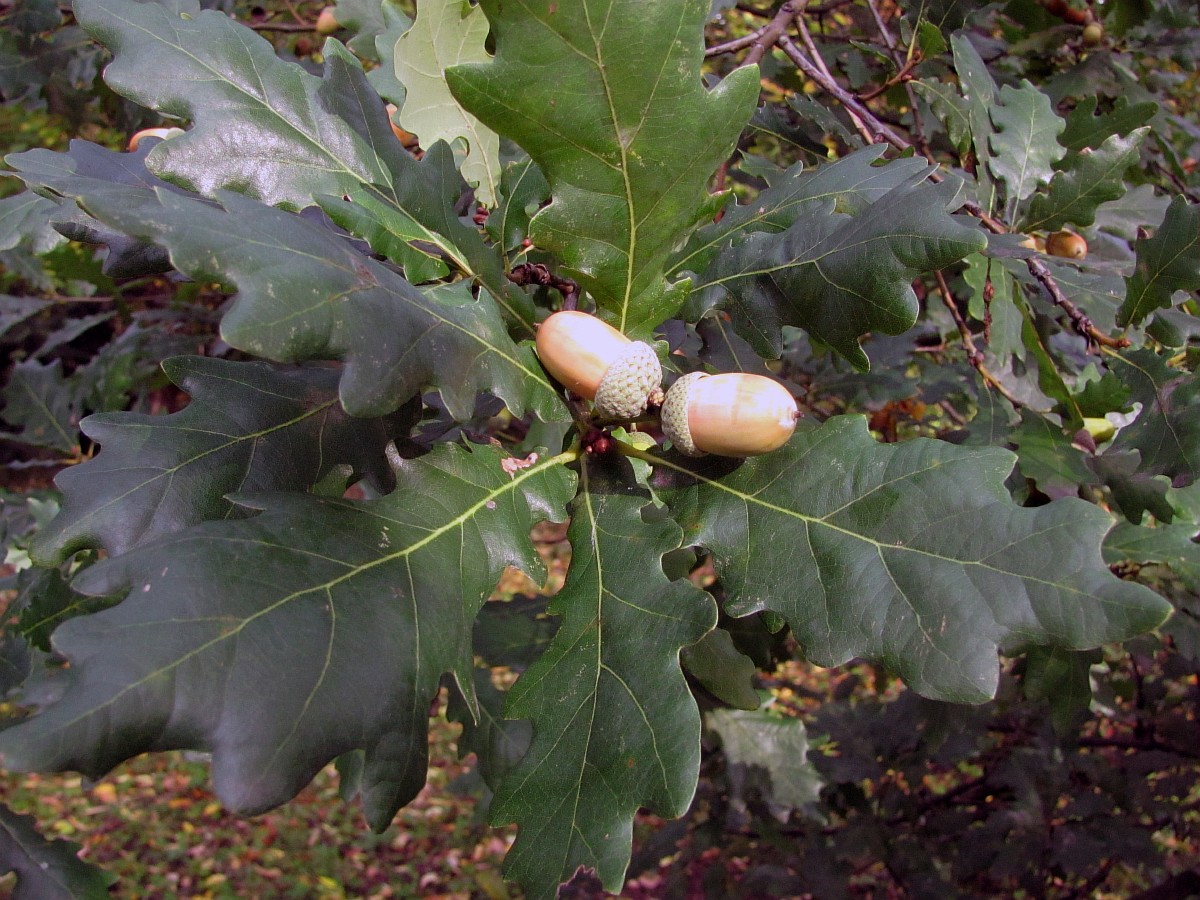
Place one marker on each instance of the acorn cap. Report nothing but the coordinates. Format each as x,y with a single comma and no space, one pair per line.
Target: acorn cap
626,385
675,414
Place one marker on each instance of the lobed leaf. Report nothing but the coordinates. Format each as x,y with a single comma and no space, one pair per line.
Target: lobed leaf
912,555
627,158
1024,145
305,293
848,186
615,727
331,622
1167,262
262,126
46,869
248,427
1088,179
1086,128
447,33
840,276
1167,432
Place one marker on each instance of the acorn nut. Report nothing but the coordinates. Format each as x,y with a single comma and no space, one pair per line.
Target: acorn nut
327,23
1067,244
728,415
1093,34
597,362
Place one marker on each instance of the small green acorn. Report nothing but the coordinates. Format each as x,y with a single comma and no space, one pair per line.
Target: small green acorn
598,363
728,415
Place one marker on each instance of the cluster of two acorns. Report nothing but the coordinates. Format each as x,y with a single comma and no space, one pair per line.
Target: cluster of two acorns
727,415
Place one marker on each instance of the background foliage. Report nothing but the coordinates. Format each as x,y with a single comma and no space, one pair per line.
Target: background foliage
280,364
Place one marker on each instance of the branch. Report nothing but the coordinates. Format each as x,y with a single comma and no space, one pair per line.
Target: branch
774,31
536,273
974,355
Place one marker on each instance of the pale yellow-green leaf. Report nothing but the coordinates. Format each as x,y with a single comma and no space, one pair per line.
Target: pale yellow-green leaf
446,33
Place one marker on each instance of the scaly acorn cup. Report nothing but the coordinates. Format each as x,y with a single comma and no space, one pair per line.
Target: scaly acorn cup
728,415
598,363
1066,244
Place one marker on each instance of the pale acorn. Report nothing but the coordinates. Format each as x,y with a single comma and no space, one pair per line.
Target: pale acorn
728,415
598,363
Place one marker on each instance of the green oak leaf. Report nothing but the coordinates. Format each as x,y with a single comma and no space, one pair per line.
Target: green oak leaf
950,108
306,293
1048,457
1061,678
1167,262
331,620
1134,493
1086,180
912,555
1086,128
46,869
627,159
262,126
523,189
447,33
1167,432
850,184
365,21
1174,545
1024,145
615,727
498,743
25,223
725,672
979,92
43,404
248,427
840,276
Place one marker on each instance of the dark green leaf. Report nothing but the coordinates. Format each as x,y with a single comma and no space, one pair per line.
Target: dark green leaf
615,727
847,186
523,189
1134,493
840,276
498,743
1174,545
627,159
331,622
263,126
1167,432
1087,179
1086,128
46,870
1048,458
46,600
307,294
42,404
724,671
951,109
249,427
979,91
909,554
1167,262
1062,678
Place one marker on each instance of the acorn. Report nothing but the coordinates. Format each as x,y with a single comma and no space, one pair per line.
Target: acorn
407,138
598,363
162,133
326,23
728,415
1093,34
1066,244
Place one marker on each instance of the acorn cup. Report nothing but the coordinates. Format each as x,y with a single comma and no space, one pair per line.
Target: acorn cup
598,363
728,415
